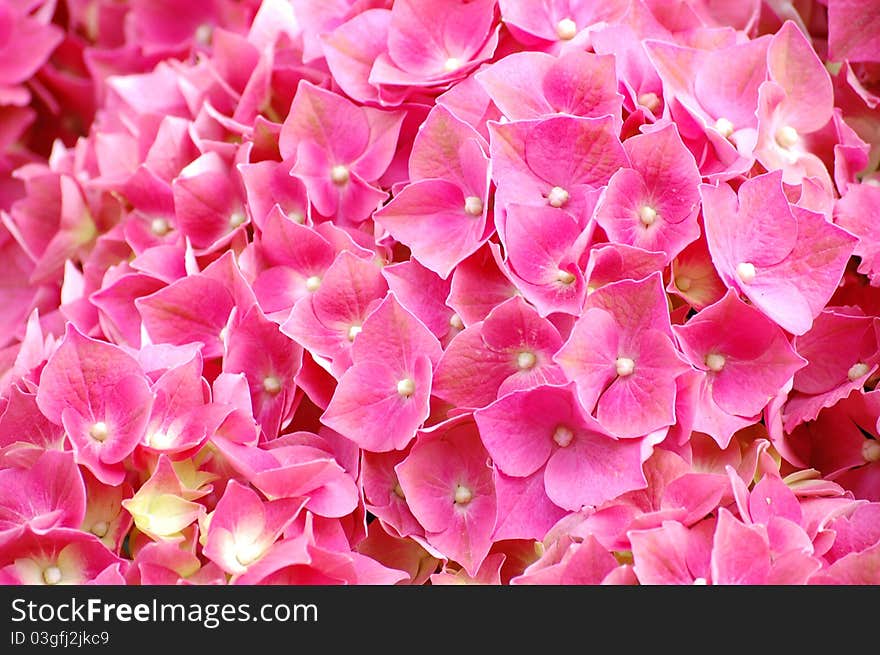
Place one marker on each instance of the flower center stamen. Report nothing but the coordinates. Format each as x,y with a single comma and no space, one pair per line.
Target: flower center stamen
557,197
100,529
566,29
313,283
237,219
452,64
563,436
857,370
650,101
406,387
463,495
353,331
159,227
99,432
715,361
52,575
787,136
647,215
746,272
526,360
624,366
271,384
724,127
339,174
565,277
473,206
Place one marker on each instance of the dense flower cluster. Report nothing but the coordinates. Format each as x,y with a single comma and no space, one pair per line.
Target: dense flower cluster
407,292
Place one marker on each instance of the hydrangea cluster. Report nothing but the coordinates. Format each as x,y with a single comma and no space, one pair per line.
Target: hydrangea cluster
459,291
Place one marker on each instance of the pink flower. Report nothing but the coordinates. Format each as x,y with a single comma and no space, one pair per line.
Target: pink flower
442,213
243,527
558,161
577,83
622,359
511,349
745,358
653,204
544,246
101,397
545,428
49,494
785,259
340,149
382,399
59,556
448,486
842,353
433,45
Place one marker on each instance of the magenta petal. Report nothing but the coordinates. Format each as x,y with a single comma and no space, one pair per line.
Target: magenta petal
82,374
430,217
595,468
518,429
524,510
369,408
352,48
449,488
660,554
740,553
50,494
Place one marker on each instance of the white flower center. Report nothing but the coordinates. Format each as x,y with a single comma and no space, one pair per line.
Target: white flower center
473,206
700,581
746,272
647,215
248,553
456,322
353,331
463,495
339,174
724,126
565,277
160,440
557,197
624,366
237,218
313,283
566,29
52,575
99,432
715,361
857,370
271,384
563,436
452,64
100,529
787,136
526,360
406,387
871,450
297,217
159,227
650,100
203,34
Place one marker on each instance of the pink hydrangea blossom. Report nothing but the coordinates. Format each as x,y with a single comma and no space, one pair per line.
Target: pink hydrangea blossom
386,292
